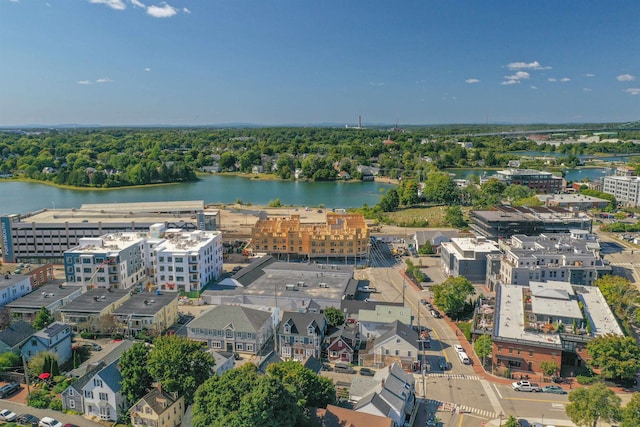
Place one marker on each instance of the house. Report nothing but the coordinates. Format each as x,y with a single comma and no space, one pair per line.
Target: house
50,296
378,320
257,169
158,409
14,286
14,336
435,238
112,356
389,393
312,364
344,175
400,344
72,397
145,311
301,335
232,328
55,338
224,361
335,416
342,343
89,307
102,397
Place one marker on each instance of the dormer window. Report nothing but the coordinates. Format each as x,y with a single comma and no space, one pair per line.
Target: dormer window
287,328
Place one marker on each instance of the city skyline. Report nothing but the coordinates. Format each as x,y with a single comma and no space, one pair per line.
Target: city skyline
183,62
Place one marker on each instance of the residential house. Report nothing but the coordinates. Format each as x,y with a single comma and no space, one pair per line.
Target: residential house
102,397
50,296
16,334
73,397
336,416
389,393
344,175
55,338
435,238
257,169
301,335
146,311
89,307
158,409
224,361
378,320
400,344
342,344
232,328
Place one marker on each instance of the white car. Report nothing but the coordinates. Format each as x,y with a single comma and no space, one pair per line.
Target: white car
7,415
49,422
458,348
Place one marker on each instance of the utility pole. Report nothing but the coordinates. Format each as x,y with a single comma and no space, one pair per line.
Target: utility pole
26,375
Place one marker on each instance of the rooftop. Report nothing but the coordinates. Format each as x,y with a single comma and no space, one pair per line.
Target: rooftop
602,319
109,243
12,279
95,300
177,241
45,295
145,304
223,316
520,172
569,198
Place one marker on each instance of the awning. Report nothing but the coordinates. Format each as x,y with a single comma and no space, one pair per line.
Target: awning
509,358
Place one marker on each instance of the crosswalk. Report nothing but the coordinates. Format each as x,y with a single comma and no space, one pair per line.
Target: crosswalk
453,376
451,407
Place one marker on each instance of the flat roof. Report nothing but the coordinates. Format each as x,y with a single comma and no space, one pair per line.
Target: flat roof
555,307
475,244
95,300
185,240
602,319
112,242
571,198
37,298
145,304
153,207
12,279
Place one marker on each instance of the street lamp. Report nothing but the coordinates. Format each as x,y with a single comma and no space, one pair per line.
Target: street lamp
542,421
501,415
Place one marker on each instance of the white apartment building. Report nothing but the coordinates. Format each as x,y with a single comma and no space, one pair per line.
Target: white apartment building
626,189
187,261
110,261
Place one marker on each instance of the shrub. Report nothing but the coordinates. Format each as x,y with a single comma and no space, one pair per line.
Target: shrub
507,373
586,380
465,327
56,404
39,399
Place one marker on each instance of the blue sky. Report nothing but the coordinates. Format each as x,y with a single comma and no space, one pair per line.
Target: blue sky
197,62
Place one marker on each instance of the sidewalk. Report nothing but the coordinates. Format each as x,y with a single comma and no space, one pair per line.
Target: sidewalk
547,422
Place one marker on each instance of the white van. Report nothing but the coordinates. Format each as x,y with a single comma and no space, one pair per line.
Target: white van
464,358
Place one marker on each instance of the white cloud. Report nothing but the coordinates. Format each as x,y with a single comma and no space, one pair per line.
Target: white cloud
626,78
376,84
14,1
113,4
472,81
534,87
84,82
552,79
138,3
535,65
587,89
565,79
633,90
520,75
590,75
104,80
185,10
163,11
147,69
510,82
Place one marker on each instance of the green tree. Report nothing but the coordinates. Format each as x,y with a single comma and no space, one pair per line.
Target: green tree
454,217
270,404
335,316
589,405
390,201
451,295
228,160
511,422
631,412
136,379
311,390
179,364
549,367
483,346
43,319
9,360
426,249
616,356
516,192
440,188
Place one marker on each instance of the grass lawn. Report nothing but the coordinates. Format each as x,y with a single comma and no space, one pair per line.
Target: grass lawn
433,214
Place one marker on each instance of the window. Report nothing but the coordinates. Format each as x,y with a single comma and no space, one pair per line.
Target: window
250,335
88,394
71,392
239,346
72,403
103,396
97,382
229,333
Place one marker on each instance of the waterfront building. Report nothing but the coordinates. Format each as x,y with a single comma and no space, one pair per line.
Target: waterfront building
572,257
539,181
505,221
344,236
625,188
467,256
544,322
110,261
46,234
186,261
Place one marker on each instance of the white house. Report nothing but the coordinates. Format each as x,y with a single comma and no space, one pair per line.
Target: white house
102,397
55,338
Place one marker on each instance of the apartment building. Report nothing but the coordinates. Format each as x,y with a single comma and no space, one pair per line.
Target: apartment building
467,256
341,236
539,181
46,234
626,189
113,260
186,261
572,257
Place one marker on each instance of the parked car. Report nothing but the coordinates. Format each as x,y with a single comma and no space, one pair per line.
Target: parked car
436,314
70,425
458,348
553,389
423,301
344,368
27,420
526,386
523,423
327,367
9,389
7,415
367,372
49,422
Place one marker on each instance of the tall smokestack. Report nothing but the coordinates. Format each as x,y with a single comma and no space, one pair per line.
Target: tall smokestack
359,121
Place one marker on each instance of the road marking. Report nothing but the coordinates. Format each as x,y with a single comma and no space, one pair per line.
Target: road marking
460,422
530,400
493,399
497,391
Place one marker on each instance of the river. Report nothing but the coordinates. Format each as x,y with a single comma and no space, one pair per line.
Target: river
23,197
577,174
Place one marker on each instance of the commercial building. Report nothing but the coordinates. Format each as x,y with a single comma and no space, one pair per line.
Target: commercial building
572,257
110,261
573,201
46,234
505,221
467,256
539,181
343,236
626,189
188,261
544,322
152,312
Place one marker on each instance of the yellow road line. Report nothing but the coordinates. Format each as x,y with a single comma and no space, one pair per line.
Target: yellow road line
460,422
